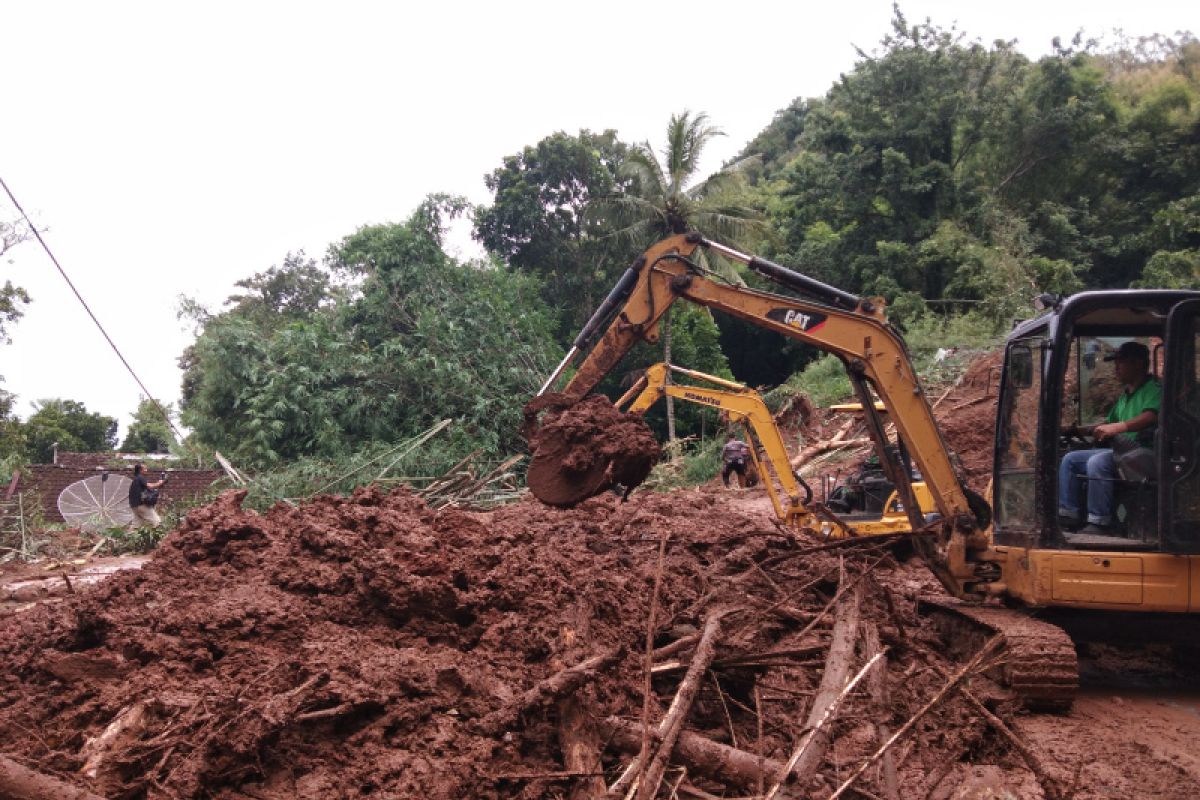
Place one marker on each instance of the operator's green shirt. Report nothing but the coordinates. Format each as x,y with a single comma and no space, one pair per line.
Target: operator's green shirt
1147,397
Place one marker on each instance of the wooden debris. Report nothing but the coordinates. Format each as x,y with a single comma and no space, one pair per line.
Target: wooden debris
648,663
672,724
557,685
809,753
991,646
18,782
837,442
969,403
124,728
877,684
580,744
562,775
700,755
231,472
1050,785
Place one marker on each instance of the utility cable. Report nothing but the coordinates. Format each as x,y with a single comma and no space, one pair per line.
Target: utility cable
107,338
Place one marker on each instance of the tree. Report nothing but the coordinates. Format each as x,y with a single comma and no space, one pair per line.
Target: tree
296,288
11,297
12,435
421,338
1044,176
537,222
71,426
149,432
664,198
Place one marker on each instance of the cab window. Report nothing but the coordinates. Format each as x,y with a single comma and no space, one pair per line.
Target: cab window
1016,478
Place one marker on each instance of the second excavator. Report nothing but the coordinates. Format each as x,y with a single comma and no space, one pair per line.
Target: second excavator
791,497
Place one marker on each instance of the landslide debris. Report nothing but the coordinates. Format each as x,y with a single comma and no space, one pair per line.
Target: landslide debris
370,646
580,448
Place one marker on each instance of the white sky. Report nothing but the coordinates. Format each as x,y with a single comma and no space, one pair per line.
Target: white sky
175,148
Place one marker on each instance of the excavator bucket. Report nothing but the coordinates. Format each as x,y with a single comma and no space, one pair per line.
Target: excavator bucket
581,448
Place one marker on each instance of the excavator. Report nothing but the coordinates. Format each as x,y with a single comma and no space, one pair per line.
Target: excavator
792,499
1017,572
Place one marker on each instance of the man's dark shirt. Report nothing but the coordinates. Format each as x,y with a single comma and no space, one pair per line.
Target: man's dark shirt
135,490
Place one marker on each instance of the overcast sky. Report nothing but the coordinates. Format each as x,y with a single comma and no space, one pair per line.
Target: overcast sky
174,148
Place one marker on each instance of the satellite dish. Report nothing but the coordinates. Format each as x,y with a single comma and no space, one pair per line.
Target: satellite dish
97,503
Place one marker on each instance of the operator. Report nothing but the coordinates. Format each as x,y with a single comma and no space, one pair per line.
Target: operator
143,514
735,454
1135,410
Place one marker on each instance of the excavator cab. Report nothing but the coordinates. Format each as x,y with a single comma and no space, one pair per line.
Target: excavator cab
1059,381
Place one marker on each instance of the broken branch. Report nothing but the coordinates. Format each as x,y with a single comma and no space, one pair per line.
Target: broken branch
21,783
557,685
991,645
699,754
807,757
672,723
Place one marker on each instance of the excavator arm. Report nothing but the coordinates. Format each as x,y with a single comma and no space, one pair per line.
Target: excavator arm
854,329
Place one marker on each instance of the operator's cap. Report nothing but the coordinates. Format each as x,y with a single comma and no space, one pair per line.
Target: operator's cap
1130,351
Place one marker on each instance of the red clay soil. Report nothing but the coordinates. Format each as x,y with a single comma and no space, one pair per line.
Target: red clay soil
369,646
583,448
967,419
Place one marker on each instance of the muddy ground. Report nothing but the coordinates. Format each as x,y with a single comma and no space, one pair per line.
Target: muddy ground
372,647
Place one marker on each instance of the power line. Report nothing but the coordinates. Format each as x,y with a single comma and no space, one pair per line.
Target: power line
107,338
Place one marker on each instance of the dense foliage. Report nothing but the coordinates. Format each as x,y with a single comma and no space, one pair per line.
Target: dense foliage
950,177
537,222
150,431
945,172
68,425
413,338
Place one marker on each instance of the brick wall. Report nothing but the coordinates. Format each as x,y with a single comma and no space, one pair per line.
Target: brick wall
48,481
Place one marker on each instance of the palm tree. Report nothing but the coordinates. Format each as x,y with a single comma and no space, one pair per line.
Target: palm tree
664,199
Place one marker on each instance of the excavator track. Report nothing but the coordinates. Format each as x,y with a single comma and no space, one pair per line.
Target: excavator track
1039,663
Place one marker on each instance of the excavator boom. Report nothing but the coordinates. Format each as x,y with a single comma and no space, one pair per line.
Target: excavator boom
854,329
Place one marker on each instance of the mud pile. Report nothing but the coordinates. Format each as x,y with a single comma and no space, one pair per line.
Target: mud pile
368,646
967,418
581,448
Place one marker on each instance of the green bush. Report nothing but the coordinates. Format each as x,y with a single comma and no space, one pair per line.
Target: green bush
823,380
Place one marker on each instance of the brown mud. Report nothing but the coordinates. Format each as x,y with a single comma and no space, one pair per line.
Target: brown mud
966,416
582,448
368,646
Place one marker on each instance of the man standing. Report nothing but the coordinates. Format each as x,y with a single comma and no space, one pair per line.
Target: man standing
143,513
735,454
1135,410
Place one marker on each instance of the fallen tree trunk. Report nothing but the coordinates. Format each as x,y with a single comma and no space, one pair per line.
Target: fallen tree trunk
580,744
557,685
21,783
700,755
877,683
672,724
812,451
808,757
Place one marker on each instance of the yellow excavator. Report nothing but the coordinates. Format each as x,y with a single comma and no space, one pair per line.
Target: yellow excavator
1141,578
792,498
